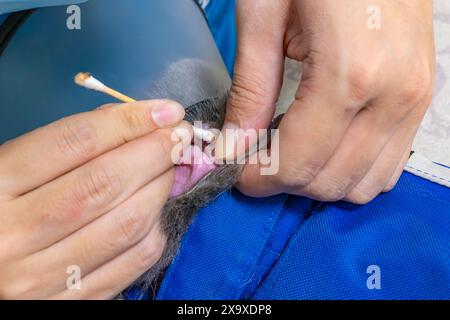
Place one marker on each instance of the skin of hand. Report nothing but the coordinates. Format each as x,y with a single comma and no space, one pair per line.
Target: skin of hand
86,191
362,96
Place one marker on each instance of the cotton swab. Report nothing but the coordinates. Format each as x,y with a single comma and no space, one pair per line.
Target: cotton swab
86,80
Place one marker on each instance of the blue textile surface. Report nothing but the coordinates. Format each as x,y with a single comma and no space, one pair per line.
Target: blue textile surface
291,248
405,233
288,247
220,14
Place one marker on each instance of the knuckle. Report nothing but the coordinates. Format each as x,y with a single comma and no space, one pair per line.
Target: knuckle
295,48
359,197
133,226
63,209
134,120
418,88
76,137
247,95
360,81
369,188
150,251
331,190
98,186
295,177
391,185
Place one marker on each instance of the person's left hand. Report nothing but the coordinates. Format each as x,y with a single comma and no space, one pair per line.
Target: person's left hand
363,94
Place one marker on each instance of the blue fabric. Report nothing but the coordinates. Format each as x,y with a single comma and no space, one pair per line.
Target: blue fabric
292,248
288,247
406,233
221,20
240,240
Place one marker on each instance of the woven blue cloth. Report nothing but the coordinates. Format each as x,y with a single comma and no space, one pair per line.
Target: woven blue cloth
287,247
406,233
292,248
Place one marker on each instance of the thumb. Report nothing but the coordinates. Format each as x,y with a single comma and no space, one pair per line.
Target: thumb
256,86
258,70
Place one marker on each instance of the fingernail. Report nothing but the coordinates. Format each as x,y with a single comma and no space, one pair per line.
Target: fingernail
226,142
167,114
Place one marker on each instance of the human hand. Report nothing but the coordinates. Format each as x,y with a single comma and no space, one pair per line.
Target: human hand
363,93
86,191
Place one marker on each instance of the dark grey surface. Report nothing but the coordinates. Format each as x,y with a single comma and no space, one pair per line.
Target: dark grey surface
140,47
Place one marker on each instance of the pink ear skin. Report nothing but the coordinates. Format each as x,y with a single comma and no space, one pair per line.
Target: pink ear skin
193,166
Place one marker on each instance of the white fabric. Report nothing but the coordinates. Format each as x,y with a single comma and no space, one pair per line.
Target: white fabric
422,167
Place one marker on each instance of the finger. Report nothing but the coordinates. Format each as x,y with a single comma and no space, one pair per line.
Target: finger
364,140
258,69
108,106
115,276
48,152
384,174
259,179
369,132
399,169
308,135
311,130
389,164
68,203
387,168
105,238
361,145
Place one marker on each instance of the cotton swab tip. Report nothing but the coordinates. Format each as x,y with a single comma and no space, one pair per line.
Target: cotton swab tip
85,79
204,134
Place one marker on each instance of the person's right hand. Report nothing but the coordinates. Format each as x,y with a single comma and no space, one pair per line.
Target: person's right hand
364,91
86,191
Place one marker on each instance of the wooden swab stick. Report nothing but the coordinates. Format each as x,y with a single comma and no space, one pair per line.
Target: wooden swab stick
86,80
